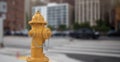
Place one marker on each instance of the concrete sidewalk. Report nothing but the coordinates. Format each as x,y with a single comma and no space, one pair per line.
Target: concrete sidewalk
5,58
53,58
20,46
10,55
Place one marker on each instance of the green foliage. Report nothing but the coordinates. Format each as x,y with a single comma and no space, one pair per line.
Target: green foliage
101,23
101,26
62,27
27,20
50,27
104,28
77,26
85,25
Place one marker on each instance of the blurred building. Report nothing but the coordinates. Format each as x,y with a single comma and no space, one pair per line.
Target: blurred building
87,11
116,15
57,14
70,2
117,18
108,11
38,2
105,9
60,14
3,7
17,11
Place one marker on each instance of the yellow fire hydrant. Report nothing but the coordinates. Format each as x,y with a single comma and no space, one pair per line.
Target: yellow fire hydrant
39,33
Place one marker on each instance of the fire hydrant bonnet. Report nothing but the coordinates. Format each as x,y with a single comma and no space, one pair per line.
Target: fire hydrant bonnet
38,19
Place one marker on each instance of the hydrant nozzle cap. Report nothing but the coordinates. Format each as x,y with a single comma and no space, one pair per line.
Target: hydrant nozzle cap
37,18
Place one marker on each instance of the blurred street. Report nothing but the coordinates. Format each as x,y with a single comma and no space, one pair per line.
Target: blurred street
16,47
103,50
79,30
73,50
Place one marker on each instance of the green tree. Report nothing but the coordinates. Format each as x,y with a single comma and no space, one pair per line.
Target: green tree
101,22
104,28
77,26
101,26
27,20
85,25
49,26
62,27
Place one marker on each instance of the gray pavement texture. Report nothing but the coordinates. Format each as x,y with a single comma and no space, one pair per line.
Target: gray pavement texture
93,58
5,58
91,47
15,46
67,50
25,42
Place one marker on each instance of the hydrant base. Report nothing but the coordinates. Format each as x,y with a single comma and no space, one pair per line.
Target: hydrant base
30,59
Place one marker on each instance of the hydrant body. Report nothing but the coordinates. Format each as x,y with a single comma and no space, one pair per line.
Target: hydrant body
39,33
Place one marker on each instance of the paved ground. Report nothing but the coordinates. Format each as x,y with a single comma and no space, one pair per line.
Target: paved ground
25,42
93,58
5,58
20,46
93,47
72,50
101,50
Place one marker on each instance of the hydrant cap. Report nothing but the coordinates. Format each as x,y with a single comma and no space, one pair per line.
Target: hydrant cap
37,18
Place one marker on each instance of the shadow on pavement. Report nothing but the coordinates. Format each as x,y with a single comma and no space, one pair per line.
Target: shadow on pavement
92,58
104,38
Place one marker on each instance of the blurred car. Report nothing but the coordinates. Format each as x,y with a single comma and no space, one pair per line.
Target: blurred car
21,33
58,33
113,33
7,32
25,32
85,33
17,33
